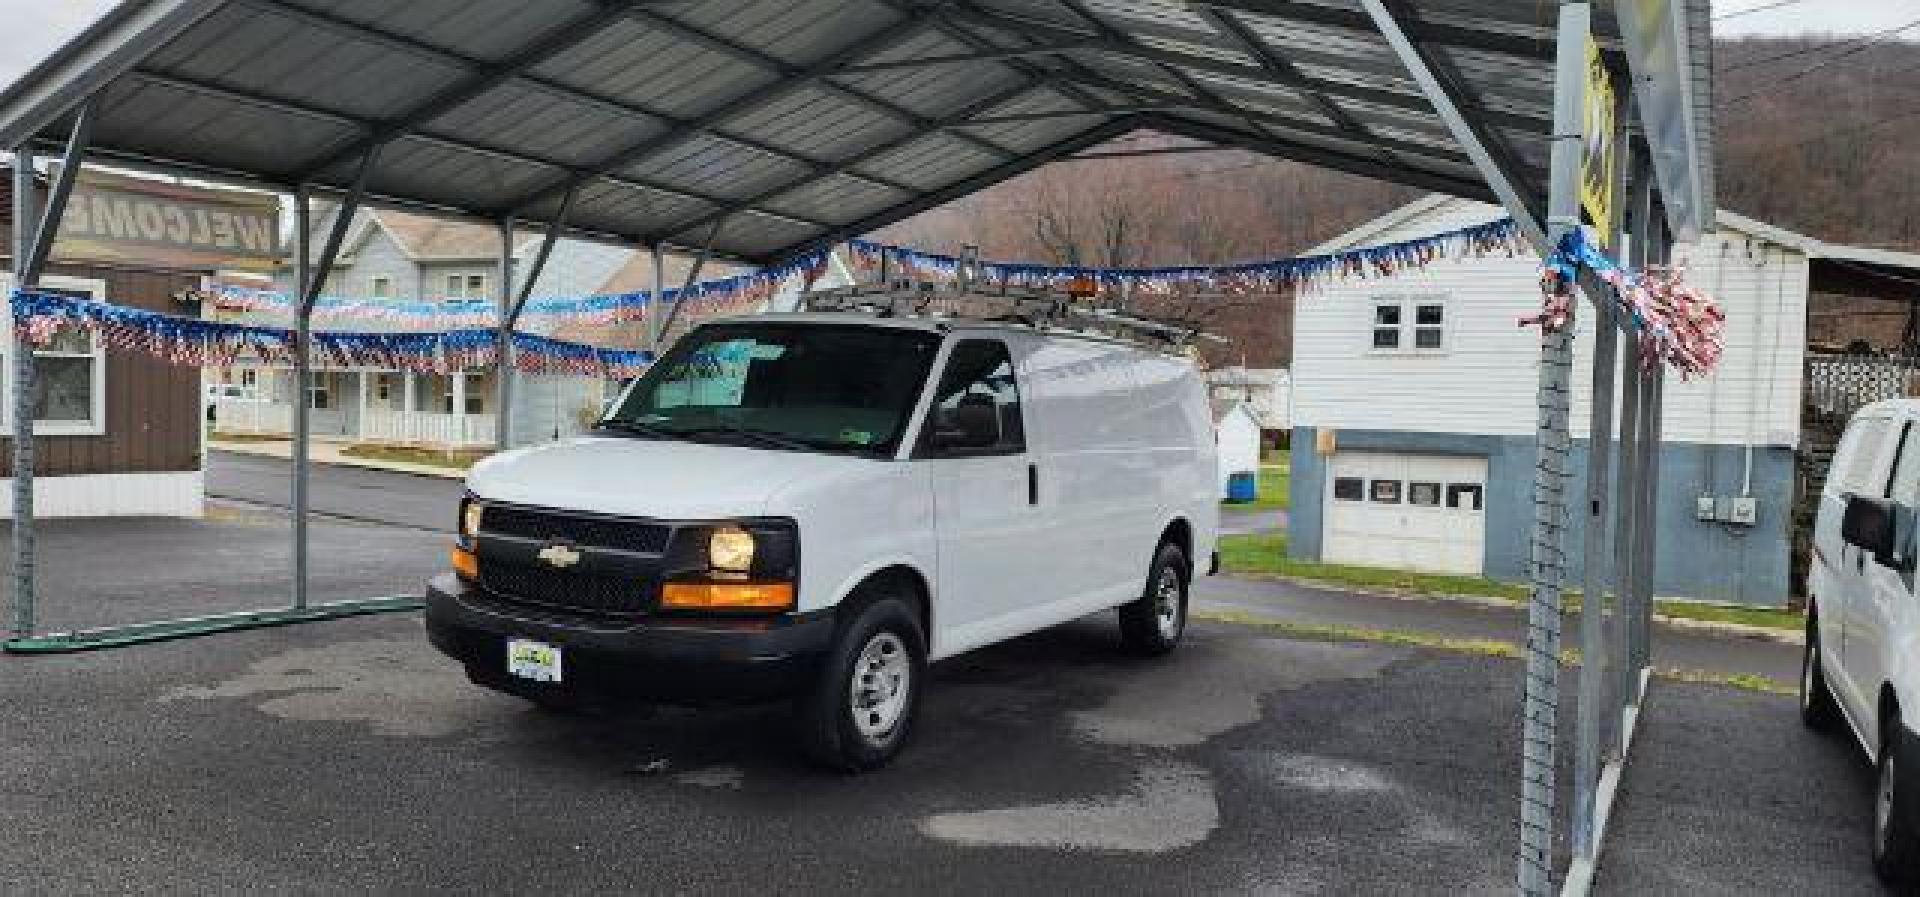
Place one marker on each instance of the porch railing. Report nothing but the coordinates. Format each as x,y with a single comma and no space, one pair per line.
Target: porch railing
252,418
1839,385
427,428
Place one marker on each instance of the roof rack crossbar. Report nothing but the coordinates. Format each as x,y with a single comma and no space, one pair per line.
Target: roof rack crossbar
1035,308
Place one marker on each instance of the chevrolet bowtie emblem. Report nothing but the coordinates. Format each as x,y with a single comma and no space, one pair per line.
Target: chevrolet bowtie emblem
558,555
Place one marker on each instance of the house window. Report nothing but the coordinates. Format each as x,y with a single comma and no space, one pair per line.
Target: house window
381,287
382,388
1410,324
1386,325
466,286
250,378
319,394
1349,489
1429,322
70,375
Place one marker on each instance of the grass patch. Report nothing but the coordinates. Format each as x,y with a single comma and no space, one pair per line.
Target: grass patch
1264,556
1275,486
1768,618
452,460
1477,647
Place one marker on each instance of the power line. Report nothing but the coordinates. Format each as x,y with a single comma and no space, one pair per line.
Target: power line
1820,65
1850,46
1762,8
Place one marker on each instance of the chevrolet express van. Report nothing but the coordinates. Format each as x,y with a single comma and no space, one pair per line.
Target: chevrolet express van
812,506
1862,662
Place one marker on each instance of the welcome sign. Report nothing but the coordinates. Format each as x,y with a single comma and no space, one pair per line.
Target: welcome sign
126,220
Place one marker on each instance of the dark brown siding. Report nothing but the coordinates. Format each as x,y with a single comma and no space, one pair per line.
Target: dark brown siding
152,408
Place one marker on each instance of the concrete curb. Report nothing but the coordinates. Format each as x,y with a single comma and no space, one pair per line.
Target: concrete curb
1710,627
418,470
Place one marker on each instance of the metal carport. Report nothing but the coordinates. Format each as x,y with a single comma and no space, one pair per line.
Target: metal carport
761,131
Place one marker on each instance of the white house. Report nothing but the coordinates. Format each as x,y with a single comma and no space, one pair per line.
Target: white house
1414,409
1237,434
1268,392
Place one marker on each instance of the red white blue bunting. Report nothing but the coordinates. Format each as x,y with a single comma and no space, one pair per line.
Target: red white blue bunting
193,342
1272,275
1677,324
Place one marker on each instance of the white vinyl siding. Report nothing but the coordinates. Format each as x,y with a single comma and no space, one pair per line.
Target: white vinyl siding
1484,380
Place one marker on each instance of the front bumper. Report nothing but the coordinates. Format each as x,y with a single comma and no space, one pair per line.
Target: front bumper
664,659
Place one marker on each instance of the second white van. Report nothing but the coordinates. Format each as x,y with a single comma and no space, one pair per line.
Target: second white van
814,506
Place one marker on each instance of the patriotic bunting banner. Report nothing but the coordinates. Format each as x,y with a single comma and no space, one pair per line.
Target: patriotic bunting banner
193,342
705,299
1272,275
1675,323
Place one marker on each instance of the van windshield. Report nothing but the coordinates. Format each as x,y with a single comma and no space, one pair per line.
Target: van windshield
795,386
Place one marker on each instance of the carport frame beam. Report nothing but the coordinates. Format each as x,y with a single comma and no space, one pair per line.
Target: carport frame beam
313,276
32,244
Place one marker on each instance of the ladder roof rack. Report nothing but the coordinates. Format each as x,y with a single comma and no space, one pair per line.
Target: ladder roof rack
1018,306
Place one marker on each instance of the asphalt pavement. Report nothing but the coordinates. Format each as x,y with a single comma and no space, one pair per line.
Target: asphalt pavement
333,489
349,756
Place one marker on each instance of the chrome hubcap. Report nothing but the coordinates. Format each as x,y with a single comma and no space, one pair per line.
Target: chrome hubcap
1883,802
1166,603
882,682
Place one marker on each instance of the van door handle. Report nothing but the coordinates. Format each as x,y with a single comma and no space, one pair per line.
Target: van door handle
1033,483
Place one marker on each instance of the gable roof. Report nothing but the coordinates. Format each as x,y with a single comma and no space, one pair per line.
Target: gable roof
1813,247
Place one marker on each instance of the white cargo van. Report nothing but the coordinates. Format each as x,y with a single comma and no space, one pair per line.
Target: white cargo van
816,505
1862,661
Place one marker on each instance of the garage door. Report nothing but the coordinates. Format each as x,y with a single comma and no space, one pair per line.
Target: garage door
1409,512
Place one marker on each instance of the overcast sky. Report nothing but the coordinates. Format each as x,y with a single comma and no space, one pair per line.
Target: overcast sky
36,27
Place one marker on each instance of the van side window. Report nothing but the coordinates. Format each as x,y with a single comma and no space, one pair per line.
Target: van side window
1904,487
1860,449
976,409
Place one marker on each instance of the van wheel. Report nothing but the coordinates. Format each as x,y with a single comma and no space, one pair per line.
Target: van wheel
861,709
1817,709
1151,625
1896,831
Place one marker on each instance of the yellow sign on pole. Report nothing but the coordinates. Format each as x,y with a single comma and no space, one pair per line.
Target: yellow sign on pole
1597,150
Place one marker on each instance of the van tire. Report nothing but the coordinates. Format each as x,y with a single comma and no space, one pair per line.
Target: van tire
1817,710
1896,818
1152,624
885,642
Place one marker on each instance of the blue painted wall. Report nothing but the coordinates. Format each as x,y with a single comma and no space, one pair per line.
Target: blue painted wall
1693,558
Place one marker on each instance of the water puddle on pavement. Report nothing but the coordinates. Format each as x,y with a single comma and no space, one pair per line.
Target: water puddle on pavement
1210,687
390,684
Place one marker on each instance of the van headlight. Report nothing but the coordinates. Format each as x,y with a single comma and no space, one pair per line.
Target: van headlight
472,512
730,550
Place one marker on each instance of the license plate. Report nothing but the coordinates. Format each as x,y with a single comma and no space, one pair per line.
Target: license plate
533,660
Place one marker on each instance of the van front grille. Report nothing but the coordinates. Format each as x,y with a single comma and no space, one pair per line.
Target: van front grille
551,526
586,593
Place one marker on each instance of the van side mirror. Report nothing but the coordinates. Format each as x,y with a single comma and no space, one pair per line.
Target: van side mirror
970,426
1868,525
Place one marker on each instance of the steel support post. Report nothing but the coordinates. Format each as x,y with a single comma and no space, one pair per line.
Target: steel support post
23,191
1548,549
33,237
313,277
1646,533
1629,657
513,302
1594,653
693,274
657,300
1602,621
503,366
